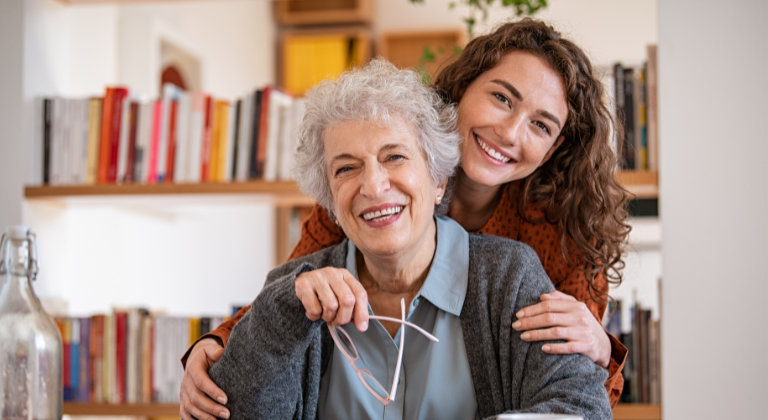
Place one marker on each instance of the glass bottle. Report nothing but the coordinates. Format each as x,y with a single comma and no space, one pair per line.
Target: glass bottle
30,343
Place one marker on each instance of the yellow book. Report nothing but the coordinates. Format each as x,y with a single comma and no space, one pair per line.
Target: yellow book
310,59
222,142
213,167
194,330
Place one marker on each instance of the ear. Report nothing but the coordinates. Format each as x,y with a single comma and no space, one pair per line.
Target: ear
440,193
551,150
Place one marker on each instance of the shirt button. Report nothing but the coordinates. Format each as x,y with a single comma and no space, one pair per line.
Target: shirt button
416,302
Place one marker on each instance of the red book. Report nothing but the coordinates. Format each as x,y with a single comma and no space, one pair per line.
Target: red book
117,118
154,142
97,358
67,368
120,353
206,146
104,140
261,156
171,142
133,125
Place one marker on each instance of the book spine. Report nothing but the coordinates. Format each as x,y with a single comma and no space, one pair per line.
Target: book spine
263,121
97,358
84,389
172,131
116,125
47,119
133,116
154,145
253,163
106,130
235,147
94,132
66,338
205,156
629,113
120,355
652,102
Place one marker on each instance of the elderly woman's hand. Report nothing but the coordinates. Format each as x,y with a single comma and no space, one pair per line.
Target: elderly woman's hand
334,295
197,389
561,317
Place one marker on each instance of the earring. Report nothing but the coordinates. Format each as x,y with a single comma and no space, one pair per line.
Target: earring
439,199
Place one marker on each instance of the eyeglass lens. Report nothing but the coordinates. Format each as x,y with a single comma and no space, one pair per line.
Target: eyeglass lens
346,342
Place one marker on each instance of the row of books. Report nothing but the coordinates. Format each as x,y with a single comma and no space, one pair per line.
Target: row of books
642,369
128,356
634,92
181,137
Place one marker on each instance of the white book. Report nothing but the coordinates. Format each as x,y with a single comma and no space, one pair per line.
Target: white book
122,147
78,163
229,141
73,153
183,129
197,130
157,356
277,102
170,93
289,138
244,138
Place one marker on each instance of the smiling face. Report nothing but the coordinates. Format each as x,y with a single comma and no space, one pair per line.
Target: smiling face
383,193
510,118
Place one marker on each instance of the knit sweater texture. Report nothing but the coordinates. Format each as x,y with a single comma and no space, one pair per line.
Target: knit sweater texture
275,357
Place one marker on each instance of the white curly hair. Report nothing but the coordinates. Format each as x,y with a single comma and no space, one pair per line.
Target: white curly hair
382,93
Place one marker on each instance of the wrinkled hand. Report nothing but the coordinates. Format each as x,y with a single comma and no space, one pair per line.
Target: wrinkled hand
198,392
334,295
561,317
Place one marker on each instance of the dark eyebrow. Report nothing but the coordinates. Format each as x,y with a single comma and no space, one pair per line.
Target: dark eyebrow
509,87
516,94
549,116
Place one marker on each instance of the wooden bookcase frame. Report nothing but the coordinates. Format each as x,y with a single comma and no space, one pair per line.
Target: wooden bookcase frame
405,48
322,12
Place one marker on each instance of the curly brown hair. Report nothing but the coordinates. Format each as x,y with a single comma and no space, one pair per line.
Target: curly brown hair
576,187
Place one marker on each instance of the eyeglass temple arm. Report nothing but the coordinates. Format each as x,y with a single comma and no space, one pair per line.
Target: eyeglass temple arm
400,321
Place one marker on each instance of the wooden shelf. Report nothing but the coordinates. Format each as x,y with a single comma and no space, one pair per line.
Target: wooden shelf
621,412
643,184
143,410
637,412
322,12
281,188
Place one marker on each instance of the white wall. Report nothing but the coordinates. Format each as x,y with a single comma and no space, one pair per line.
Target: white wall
713,102
609,30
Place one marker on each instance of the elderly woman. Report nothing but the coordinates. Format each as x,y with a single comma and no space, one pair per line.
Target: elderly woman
376,148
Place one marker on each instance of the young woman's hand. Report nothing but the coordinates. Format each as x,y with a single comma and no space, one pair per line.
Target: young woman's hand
334,295
198,391
561,317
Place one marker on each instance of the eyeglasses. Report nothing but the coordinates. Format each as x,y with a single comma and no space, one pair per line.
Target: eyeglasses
348,349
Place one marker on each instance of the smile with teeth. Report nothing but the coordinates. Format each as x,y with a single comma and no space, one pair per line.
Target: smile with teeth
490,152
381,215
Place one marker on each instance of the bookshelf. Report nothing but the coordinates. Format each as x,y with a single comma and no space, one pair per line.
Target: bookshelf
621,412
406,49
643,184
314,12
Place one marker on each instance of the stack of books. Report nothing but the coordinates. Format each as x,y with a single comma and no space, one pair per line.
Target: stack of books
128,356
181,137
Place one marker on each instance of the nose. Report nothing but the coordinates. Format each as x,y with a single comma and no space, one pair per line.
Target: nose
375,180
512,128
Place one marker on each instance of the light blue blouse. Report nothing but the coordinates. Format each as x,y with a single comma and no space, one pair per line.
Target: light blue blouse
435,379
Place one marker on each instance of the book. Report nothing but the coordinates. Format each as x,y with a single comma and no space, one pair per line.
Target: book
253,164
197,133
236,131
171,154
278,105
94,131
230,143
133,127
115,130
84,362
261,154
97,359
47,121
653,108
120,356
124,140
628,146
183,139
243,137
170,95
106,130
205,145
154,142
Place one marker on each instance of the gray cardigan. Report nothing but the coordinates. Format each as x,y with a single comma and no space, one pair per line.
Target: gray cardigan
275,357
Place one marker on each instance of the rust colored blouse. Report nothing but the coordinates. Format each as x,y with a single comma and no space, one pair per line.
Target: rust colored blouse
319,232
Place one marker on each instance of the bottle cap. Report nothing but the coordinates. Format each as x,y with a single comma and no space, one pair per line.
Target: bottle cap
17,232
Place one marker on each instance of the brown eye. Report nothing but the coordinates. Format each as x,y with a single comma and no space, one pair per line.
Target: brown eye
542,126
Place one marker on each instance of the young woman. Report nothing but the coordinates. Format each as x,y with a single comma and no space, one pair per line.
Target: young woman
537,166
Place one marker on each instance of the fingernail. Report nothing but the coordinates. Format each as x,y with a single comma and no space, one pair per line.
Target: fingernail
517,324
520,314
364,326
525,336
222,400
545,348
224,414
